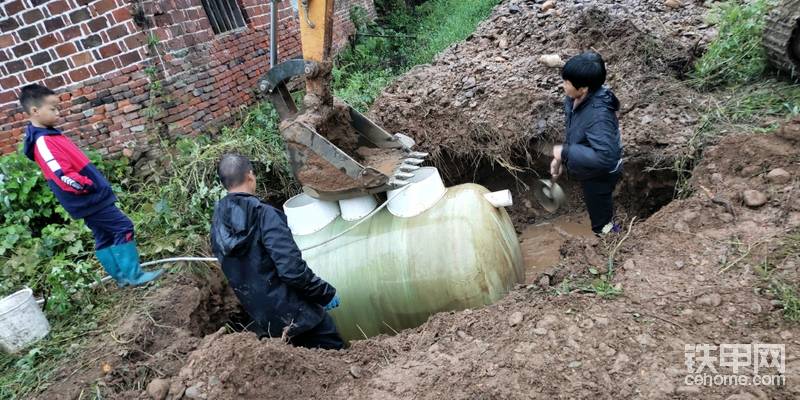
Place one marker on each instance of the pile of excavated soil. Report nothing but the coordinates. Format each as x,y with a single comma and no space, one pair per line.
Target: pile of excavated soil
491,99
149,337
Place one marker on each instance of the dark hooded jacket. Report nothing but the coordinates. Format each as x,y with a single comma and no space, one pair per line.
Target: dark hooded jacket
593,145
252,241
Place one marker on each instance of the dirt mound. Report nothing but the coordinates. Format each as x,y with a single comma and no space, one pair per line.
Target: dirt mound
240,366
151,336
491,99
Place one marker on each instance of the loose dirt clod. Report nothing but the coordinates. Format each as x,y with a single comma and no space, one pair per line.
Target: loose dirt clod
158,389
779,176
754,198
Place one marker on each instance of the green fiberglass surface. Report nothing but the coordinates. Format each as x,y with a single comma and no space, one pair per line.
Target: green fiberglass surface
392,273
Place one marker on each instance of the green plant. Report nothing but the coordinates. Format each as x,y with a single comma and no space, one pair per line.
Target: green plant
783,288
401,38
40,245
173,211
736,55
444,23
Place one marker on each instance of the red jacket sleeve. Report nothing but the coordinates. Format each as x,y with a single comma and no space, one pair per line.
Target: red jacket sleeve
62,164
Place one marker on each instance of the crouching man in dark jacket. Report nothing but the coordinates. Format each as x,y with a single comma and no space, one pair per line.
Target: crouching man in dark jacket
252,241
592,151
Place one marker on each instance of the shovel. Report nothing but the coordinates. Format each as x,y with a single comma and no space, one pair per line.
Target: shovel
549,194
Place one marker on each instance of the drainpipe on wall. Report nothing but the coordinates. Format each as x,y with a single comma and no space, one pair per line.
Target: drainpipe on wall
273,43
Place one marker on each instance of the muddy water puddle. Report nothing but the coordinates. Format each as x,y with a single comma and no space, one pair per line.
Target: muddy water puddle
541,242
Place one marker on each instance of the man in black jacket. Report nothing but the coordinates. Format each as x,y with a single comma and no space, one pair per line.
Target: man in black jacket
592,151
260,258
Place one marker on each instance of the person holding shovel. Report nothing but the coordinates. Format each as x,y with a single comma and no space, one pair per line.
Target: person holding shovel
592,151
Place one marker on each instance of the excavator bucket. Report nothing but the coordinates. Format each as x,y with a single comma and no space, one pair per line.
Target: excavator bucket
334,151
316,139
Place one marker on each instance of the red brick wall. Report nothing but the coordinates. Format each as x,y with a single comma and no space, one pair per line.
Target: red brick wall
95,56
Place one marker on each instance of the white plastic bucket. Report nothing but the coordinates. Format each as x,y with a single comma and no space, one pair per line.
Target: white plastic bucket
22,322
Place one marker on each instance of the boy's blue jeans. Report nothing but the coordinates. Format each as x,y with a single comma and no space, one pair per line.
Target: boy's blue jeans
110,227
598,195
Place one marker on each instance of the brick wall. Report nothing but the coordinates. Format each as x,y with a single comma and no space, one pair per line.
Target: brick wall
97,56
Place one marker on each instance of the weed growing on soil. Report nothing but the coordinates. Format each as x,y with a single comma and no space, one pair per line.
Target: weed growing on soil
778,284
744,100
737,55
754,107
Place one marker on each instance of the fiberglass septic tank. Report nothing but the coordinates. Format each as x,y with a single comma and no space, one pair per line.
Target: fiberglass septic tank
430,249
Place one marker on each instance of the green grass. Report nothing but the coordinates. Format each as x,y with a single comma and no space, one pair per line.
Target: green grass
778,286
405,38
444,23
736,56
25,374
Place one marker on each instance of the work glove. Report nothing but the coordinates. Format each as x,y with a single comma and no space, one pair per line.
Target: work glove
333,304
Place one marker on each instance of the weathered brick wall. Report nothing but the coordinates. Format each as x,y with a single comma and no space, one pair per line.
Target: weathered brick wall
96,55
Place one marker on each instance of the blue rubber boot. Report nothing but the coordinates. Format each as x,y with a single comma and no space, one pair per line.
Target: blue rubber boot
127,257
109,264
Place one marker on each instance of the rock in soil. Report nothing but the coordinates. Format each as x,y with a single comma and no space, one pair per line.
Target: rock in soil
515,318
779,176
551,60
712,299
754,198
158,389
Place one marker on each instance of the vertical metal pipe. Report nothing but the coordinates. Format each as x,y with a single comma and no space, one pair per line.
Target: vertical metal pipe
273,41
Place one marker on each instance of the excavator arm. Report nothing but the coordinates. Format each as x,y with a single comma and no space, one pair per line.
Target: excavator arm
334,151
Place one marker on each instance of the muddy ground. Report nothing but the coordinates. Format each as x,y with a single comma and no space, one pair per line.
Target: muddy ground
687,271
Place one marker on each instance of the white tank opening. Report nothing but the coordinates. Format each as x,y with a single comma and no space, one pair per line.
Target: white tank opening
307,215
424,191
357,208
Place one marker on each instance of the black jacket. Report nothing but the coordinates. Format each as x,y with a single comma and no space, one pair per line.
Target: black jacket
265,268
593,145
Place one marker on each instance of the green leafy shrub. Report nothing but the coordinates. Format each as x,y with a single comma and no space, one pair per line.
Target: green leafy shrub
173,213
736,55
40,245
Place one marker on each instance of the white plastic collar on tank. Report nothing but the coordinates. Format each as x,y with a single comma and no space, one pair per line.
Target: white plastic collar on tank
500,198
307,215
424,191
357,208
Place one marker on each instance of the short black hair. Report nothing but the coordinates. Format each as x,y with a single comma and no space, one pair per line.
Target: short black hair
32,96
233,169
585,70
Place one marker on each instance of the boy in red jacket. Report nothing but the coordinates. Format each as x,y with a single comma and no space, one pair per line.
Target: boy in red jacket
80,188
